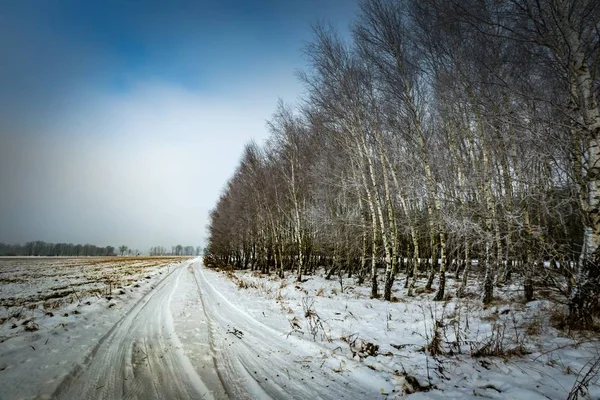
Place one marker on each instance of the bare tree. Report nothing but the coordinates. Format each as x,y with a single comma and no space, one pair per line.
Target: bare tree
438,133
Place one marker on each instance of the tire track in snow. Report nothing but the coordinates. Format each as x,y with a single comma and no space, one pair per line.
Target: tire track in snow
142,357
265,363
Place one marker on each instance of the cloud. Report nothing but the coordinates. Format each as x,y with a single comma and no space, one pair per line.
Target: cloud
121,122
141,168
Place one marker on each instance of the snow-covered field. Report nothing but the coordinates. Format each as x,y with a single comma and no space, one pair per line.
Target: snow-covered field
174,329
52,282
507,351
54,311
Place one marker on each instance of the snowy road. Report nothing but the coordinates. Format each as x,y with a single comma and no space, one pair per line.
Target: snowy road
259,362
158,350
186,340
182,331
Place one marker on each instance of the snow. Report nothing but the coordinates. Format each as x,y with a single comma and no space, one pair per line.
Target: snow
42,342
180,330
143,356
264,361
401,330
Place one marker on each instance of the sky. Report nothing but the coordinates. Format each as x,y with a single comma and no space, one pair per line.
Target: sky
121,121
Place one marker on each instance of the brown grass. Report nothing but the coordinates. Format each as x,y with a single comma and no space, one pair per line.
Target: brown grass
558,317
104,274
533,327
492,317
130,260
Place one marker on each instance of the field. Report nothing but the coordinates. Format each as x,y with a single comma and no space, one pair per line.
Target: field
49,283
54,310
33,289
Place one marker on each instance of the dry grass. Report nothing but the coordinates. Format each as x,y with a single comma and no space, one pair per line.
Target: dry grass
492,317
53,304
74,278
434,347
242,284
499,344
558,317
534,326
129,260
313,320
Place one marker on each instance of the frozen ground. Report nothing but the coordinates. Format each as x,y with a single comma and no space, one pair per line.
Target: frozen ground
393,349
51,282
189,332
53,313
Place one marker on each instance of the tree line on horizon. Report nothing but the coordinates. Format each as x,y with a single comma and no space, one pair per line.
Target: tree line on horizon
437,133
177,250
40,248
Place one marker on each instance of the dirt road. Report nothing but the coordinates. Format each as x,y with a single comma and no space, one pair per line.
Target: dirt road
160,349
186,340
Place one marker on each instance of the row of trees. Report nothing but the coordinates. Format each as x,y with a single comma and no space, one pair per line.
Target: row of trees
40,248
177,250
126,251
440,132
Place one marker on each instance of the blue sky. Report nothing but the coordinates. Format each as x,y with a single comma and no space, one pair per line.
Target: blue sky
120,121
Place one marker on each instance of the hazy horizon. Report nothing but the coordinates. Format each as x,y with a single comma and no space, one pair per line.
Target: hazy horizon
121,123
